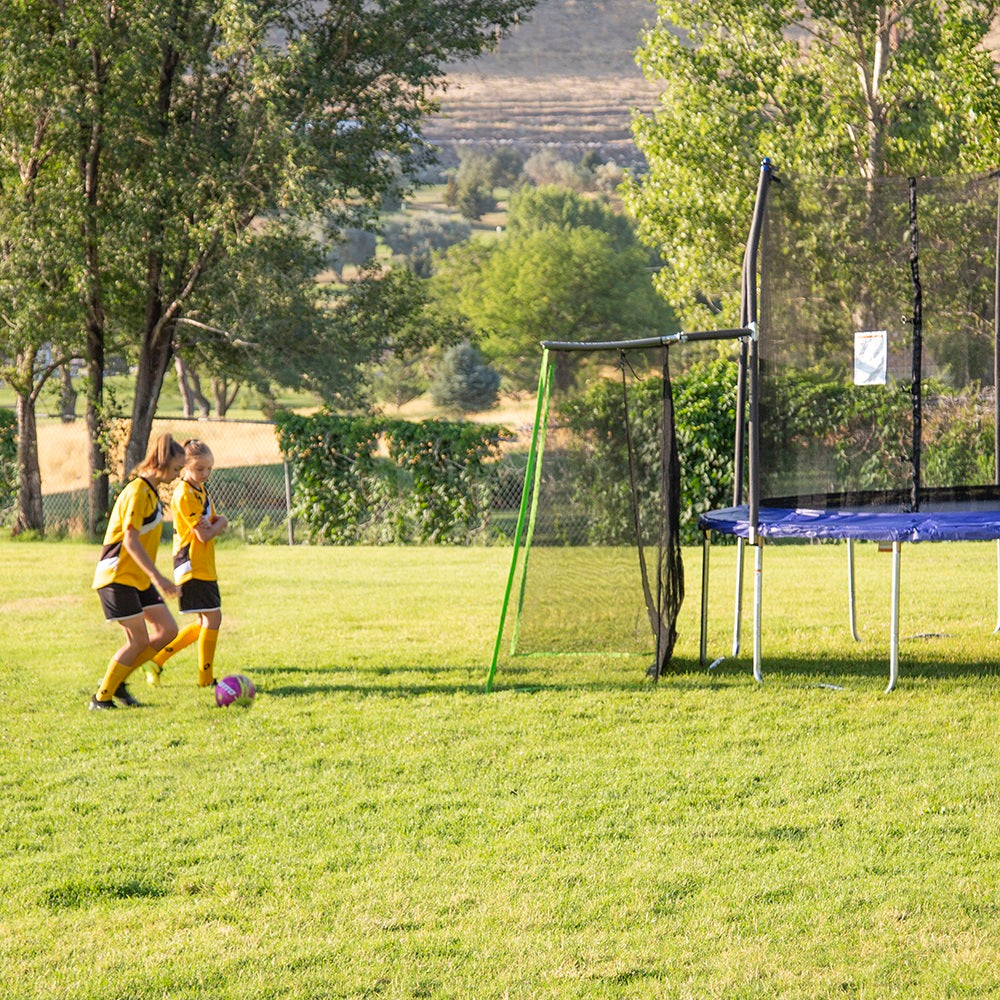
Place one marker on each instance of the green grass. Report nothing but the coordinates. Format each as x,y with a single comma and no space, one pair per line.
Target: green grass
377,826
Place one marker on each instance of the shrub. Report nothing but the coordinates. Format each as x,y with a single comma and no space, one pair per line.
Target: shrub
8,461
375,480
470,190
464,381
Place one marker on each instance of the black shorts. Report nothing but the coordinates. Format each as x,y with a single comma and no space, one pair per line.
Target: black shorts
198,596
120,601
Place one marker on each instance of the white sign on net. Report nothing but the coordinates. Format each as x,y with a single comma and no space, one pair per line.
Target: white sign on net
871,357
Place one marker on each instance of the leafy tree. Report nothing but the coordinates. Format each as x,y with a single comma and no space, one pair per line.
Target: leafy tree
837,88
547,167
464,382
567,283
417,238
280,328
534,208
396,380
470,191
352,247
166,128
507,164
37,332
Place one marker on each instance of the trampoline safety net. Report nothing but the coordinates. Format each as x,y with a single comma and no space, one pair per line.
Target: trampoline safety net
877,351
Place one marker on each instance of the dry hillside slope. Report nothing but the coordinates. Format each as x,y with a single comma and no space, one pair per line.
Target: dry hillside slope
566,77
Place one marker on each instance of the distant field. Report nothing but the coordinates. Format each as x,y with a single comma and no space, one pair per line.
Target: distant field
565,76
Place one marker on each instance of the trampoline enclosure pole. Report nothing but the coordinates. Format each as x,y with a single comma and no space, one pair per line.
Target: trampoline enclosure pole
918,324
706,545
996,348
758,586
894,620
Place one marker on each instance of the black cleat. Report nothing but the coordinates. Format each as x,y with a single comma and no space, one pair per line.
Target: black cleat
124,697
96,705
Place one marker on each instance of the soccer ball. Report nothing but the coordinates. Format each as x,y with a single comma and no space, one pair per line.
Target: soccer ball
236,689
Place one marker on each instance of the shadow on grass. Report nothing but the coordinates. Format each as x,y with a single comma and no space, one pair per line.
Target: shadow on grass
914,664
919,663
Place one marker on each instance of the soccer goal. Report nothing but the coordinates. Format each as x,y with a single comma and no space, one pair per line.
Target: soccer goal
597,556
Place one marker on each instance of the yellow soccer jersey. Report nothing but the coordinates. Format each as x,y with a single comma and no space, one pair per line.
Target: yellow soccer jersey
193,560
139,507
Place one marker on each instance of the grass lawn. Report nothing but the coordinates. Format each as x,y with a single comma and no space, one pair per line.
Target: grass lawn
377,826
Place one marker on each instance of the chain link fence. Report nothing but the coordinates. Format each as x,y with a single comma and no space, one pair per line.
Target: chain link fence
250,483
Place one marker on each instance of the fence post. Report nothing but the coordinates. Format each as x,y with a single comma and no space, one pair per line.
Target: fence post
288,504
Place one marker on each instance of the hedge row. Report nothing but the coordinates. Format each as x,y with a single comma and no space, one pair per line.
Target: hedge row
377,480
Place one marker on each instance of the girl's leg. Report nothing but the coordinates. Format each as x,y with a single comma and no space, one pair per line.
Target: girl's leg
181,640
162,629
210,622
126,658
161,626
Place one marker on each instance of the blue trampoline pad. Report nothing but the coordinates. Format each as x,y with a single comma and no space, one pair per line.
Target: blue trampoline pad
943,525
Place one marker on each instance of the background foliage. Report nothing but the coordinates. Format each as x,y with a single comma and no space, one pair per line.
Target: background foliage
8,460
373,479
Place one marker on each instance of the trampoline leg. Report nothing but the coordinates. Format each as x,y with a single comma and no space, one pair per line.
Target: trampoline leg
703,640
894,620
851,604
758,581
997,629
738,603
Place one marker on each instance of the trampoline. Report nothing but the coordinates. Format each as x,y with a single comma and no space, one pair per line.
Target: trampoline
869,354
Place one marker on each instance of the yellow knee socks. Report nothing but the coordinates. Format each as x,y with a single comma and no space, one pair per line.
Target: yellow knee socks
117,673
206,654
183,639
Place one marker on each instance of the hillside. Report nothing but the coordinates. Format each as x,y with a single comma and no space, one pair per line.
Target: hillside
565,78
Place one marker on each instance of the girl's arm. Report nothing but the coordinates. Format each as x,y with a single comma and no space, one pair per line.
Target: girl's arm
133,546
206,530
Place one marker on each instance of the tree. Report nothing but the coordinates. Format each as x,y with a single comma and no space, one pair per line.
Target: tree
464,382
355,247
552,277
36,285
534,208
418,237
470,191
397,380
181,122
844,87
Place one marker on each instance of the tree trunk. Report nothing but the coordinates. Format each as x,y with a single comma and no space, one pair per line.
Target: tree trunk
97,490
190,386
67,396
30,516
204,407
154,358
184,386
224,398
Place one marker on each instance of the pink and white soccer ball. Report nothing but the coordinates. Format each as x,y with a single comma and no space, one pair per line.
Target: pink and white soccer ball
236,689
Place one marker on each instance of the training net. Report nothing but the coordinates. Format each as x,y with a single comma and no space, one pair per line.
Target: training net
877,350
597,564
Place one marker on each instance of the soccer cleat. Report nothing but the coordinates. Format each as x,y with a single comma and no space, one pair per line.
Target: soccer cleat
153,671
96,705
124,697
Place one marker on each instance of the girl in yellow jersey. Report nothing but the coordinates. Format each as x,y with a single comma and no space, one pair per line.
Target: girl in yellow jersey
126,579
196,525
